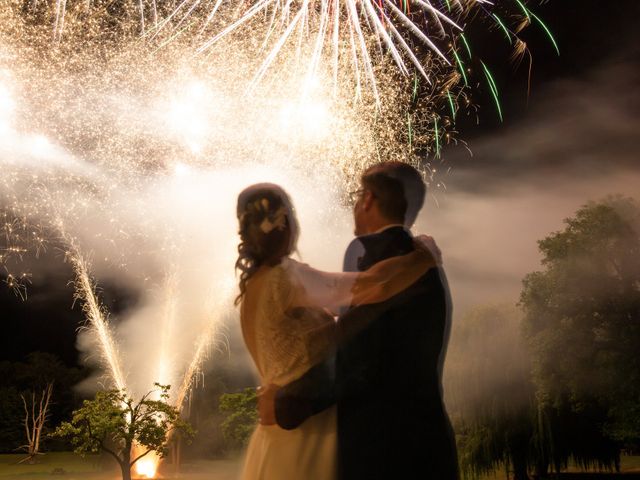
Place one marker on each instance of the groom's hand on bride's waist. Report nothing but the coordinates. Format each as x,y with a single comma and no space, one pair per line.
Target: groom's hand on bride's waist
266,404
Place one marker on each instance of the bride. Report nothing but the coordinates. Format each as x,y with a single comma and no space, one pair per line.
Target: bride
286,315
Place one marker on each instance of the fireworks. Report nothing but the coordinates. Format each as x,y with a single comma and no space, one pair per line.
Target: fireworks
97,317
91,124
126,135
343,28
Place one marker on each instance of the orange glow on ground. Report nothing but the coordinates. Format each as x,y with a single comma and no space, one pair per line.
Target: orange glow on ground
147,467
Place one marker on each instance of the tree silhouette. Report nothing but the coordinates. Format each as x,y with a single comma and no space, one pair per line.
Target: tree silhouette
582,324
127,430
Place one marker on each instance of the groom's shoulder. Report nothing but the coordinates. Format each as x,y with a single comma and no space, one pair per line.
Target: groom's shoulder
355,250
355,244
393,241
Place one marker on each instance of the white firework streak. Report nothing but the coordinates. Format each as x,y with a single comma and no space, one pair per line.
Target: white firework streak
342,25
201,350
97,317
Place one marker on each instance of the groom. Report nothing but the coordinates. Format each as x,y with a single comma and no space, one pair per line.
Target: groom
388,368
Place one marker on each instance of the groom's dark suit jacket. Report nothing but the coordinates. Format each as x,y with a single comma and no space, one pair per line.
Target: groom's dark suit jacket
386,379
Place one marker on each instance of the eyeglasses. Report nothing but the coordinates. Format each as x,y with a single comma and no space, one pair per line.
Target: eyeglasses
355,195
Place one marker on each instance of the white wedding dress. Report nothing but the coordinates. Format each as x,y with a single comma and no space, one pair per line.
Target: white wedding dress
285,341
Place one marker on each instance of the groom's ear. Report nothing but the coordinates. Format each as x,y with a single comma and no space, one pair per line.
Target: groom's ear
368,200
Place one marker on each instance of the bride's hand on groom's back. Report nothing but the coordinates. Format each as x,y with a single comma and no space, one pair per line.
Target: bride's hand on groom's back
427,244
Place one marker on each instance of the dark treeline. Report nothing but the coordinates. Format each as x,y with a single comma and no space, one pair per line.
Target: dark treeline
556,380
216,427
22,379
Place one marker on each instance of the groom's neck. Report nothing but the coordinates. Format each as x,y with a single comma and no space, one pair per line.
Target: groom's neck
378,224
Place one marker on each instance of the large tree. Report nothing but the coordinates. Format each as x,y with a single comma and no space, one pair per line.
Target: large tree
582,324
126,429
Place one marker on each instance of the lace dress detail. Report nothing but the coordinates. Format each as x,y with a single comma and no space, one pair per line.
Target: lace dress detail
285,341
288,339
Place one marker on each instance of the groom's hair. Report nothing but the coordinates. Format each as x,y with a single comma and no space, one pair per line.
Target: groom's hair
399,189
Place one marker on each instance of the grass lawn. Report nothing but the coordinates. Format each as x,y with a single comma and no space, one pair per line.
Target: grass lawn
74,465
102,468
631,464
99,468
628,465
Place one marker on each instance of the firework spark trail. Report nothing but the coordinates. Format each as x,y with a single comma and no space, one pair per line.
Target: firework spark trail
165,351
201,350
61,10
96,315
332,13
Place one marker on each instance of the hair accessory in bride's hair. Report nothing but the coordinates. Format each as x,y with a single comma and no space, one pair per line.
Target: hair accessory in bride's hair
275,221
260,205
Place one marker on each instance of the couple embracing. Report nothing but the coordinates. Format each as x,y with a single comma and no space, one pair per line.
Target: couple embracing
350,363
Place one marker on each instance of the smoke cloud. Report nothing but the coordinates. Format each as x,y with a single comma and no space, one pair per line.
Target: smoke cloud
577,142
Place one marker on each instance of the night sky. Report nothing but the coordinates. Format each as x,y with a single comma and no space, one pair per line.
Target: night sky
574,139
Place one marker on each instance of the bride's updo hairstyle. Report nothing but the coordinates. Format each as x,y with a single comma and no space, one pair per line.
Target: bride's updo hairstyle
268,230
